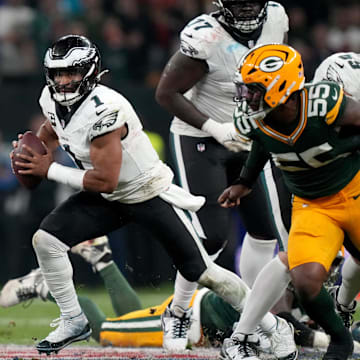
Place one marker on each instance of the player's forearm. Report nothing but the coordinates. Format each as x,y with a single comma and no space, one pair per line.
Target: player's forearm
99,181
89,180
48,136
255,163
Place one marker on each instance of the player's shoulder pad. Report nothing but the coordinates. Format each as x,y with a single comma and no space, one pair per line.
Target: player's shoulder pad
106,110
329,93
200,36
277,12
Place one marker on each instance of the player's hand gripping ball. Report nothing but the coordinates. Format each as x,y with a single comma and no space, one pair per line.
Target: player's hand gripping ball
31,140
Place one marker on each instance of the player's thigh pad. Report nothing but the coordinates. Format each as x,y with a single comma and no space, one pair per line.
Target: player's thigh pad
315,234
84,216
173,228
201,168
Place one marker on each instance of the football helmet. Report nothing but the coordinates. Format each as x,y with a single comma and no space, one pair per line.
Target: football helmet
73,54
270,74
243,15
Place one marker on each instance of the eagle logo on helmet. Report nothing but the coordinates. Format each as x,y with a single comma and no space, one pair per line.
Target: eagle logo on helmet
72,53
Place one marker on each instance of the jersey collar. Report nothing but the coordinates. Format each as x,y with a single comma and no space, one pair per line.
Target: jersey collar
292,138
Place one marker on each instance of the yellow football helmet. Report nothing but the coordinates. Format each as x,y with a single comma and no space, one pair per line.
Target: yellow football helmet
275,71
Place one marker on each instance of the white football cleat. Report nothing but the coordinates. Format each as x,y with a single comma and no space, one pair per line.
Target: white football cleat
24,288
241,347
175,329
282,340
94,251
68,330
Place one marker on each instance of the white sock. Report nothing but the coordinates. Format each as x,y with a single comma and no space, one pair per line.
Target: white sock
350,285
183,292
225,284
269,286
255,254
57,270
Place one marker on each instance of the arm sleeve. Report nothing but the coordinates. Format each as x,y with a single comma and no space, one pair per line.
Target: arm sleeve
255,162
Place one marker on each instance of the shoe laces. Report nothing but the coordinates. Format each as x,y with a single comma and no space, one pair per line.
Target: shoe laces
180,327
26,295
246,348
55,322
346,313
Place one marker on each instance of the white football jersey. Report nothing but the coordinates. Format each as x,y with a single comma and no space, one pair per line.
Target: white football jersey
204,38
343,68
142,175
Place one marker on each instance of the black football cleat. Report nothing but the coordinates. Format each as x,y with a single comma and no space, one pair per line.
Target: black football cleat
340,350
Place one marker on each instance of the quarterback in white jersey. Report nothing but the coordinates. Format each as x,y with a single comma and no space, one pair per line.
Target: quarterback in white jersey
197,88
120,180
143,175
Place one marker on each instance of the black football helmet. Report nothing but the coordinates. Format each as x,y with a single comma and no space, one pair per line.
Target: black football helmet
74,54
242,15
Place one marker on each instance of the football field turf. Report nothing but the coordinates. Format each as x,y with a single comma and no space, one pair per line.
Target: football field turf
23,325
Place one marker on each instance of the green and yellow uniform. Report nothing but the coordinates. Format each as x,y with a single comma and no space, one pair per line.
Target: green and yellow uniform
212,318
320,168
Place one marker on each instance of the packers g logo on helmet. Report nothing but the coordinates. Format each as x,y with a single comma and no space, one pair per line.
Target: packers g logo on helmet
270,64
277,69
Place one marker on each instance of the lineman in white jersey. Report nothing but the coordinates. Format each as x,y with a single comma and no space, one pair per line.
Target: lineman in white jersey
197,87
120,180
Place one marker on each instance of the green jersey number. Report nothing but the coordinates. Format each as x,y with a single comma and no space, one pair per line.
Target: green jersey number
201,24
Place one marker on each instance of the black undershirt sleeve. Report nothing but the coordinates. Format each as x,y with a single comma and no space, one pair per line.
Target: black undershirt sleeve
255,162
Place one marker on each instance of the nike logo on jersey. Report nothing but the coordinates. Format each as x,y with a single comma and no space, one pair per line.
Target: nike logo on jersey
356,196
188,35
336,95
339,65
100,112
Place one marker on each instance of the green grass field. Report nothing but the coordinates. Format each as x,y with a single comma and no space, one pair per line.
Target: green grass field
26,323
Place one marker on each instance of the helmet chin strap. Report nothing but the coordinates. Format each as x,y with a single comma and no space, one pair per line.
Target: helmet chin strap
67,99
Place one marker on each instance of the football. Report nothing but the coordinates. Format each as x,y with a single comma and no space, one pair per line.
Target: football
31,140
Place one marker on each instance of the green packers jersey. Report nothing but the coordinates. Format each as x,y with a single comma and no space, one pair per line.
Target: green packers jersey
316,162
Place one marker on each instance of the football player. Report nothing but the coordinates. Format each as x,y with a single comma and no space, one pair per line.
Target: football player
119,179
196,86
299,125
212,318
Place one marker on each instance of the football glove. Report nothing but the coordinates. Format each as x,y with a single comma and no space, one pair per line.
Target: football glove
226,134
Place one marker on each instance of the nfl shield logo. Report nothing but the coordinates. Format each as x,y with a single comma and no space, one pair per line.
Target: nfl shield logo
200,147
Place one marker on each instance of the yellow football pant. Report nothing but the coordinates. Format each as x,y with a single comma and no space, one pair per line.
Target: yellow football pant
318,226
141,328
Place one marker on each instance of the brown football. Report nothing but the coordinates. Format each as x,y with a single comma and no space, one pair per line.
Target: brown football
31,140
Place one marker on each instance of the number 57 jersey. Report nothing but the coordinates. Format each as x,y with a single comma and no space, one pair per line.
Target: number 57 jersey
142,175
315,160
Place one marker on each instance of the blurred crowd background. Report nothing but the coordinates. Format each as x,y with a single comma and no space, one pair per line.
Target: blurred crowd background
136,38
